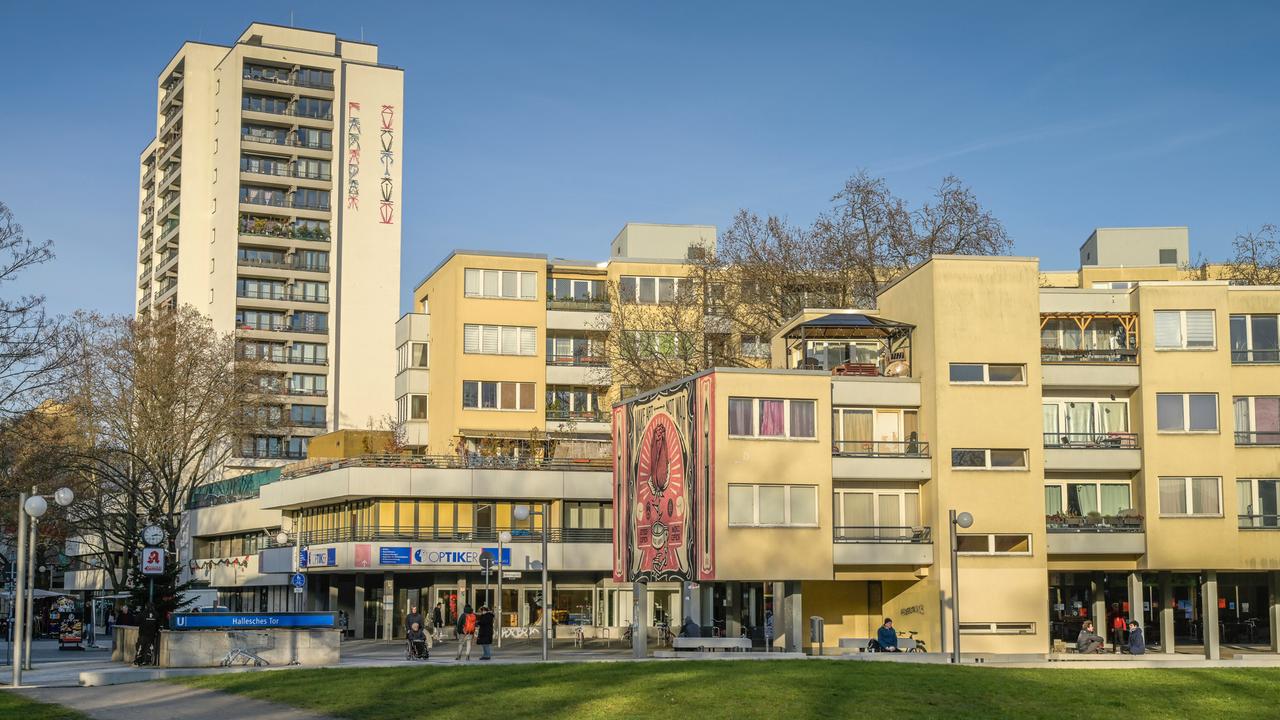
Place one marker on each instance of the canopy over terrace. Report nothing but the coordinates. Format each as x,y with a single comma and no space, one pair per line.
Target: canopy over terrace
847,343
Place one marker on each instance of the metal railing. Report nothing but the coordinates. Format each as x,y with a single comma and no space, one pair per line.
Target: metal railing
880,448
1259,522
307,423
1258,438
577,416
280,170
306,392
887,534
1114,356
453,462
278,229
246,105
1093,523
279,295
269,454
1092,441
271,201
578,305
276,139
282,264
1248,357
470,535
290,80
573,360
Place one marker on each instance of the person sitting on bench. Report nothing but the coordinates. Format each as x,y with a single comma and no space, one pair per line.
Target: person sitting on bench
887,637
1088,641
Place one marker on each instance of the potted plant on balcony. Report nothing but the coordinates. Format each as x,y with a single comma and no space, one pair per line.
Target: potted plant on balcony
1093,519
1055,520
1129,518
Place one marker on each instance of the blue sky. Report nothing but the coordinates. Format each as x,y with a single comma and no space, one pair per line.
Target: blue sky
543,127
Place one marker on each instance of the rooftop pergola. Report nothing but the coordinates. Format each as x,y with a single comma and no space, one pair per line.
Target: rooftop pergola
893,337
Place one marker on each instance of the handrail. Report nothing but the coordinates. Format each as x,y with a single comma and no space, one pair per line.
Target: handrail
1087,524
577,415
1271,437
1259,522
572,360
470,535
1118,356
882,534
880,448
1092,441
279,171
453,462
578,305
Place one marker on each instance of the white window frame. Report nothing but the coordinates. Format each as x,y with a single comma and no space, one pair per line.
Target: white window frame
986,374
1061,486
1248,339
876,492
1186,414
991,545
1182,330
786,419
426,416
407,354
1254,501
498,396
473,283
1026,461
1062,405
786,521
634,298
491,339
1186,488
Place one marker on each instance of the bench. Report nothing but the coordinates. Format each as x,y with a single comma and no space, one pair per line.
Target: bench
720,643
860,644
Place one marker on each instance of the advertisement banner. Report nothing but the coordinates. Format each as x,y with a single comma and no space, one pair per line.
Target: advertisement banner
364,556
393,555
207,621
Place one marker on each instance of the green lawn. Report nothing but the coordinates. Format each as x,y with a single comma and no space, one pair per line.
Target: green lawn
13,705
690,690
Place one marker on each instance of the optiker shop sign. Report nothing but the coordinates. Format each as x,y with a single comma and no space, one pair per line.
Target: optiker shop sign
428,556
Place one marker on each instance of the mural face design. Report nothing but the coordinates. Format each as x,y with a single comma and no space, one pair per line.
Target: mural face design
661,507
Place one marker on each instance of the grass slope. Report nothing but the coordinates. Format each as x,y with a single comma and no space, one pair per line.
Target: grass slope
690,690
17,707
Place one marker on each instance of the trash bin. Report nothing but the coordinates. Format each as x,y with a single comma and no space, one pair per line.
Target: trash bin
816,631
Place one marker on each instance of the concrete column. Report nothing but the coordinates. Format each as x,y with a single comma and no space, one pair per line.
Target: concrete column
388,605
332,603
793,610
733,611
357,609
779,614
1136,596
690,604
1166,613
1209,614
1098,610
640,617
1273,608
707,610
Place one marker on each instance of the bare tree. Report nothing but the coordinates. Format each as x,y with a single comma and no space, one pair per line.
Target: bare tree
160,403
30,339
1255,259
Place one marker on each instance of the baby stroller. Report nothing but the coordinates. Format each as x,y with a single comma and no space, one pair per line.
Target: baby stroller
416,644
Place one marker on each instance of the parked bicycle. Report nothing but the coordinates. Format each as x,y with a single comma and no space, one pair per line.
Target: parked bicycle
919,644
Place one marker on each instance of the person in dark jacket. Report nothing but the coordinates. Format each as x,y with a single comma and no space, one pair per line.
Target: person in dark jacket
484,633
887,637
437,621
1137,643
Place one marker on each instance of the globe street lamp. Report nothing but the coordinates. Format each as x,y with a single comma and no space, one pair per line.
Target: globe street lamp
961,520
32,506
522,513
504,537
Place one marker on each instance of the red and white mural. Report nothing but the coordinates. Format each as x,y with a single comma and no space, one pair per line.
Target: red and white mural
663,450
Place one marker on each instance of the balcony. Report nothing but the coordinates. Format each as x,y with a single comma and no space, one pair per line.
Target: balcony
577,360
283,140
247,105
283,203
306,392
281,170
281,76
1259,522
472,535
282,264
280,296
882,545
307,423
594,305
272,454
1095,535
850,344
1114,452
1258,439
880,460
275,228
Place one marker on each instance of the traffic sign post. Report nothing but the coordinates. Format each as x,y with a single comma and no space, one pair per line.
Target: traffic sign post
299,582
487,562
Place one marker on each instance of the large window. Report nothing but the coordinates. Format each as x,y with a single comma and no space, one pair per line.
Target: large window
874,431
565,402
1185,330
494,395
265,104
418,407
568,289
260,289
1187,412
988,459
499,340
251,349
1075,421
1259,503
877,513
1255,339
313,322
1191,496
993,544
1257,420
301,384
754,346
830,354
772,418
307,415
505,284
1080,499
265,133
259,320
649,290
313,260
414,355
263,196
988,374
308,353
311,198
773,505
574,349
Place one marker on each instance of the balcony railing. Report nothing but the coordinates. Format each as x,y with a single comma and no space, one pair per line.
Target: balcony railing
307,423
1256,356
887,534
594,416
280,202
1259,522
273,454
467,461
287,80
1092,441
266,227
246,105
280,295
470,535
1258,438
1093,523
306,392
282,359
600,305
577,360
282,264
285,140
280,170
880,448
1118,356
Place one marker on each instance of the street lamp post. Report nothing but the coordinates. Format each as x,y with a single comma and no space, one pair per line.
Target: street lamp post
523,512
504,537
32,506
961,520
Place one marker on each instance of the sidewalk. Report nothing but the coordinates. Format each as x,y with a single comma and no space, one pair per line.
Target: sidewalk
163,701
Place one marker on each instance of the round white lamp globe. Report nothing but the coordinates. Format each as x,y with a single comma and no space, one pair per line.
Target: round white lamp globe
505,537
964,520
36,506
521,512
64,496
282,538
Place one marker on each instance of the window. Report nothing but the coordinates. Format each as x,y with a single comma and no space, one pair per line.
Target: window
773,505
756,346
1189,412
300,384
570,290
1185,330
1255,339
1191,496
265,104
505,284
417,407
499,340
568,402
1257,420
313,77
274,352
650,290
1259,503
263,195
987,373
259,320
588,515
1079,499
313,108
1084,421
1168,256
875,431
988,459
312,138
311,291
258,289
309,322
772,418
877,513
311,198
574,349
418,355
313,260
308,353
993,544
307,415
493,395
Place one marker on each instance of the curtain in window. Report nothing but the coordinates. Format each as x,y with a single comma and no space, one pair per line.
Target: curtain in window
855,430
1115,497
1050,419
1241,406
740,416
802,419
1204,496
1082,499
1049,334
1266,420
1244,502
1173,496
771,418
1052,499
858,510
1080,418
1168,329
1113,417
1071,336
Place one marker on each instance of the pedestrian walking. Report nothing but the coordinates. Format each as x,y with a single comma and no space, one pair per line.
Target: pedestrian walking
484,633
466,632
437,621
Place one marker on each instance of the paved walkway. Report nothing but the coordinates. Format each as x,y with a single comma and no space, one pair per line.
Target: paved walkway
164,701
